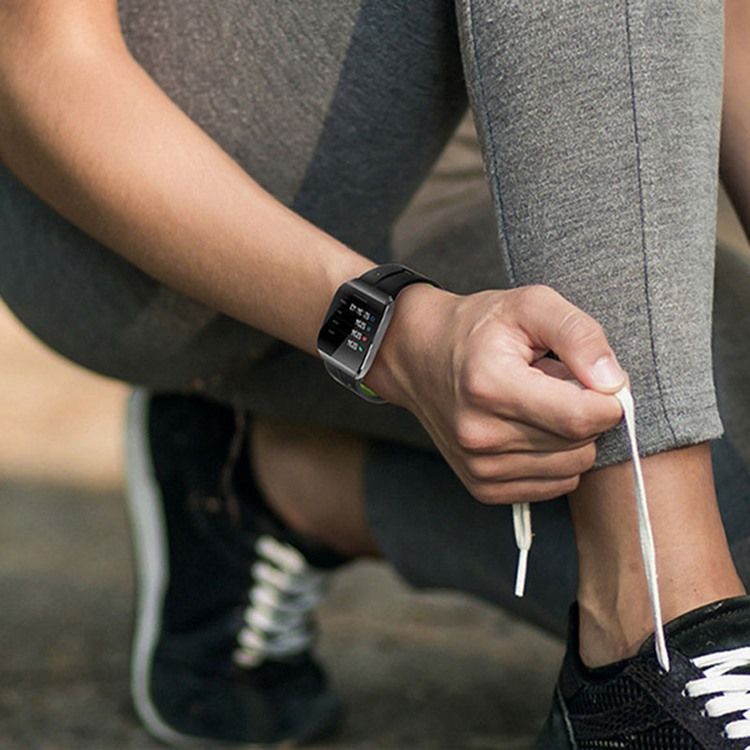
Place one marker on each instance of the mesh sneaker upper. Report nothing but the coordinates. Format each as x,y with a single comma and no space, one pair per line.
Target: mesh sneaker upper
635,705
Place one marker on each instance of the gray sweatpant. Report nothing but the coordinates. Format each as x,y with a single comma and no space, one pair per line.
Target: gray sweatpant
598,126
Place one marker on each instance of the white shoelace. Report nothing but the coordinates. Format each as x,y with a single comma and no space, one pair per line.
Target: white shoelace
523,534
731,691
285,589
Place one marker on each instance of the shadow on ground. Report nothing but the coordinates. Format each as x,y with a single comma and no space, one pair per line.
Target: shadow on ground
420,671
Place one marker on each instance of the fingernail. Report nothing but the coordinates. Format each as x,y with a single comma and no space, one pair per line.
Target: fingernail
606,373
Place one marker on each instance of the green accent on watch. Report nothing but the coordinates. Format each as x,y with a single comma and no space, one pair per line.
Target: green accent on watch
367,390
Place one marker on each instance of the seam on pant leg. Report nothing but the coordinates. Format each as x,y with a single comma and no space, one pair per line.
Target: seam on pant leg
491,150
642,209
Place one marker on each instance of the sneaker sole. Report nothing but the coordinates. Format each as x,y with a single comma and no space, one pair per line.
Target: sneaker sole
149,539
152,566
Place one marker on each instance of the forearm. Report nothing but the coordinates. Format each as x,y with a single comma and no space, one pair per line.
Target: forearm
735,129
88,131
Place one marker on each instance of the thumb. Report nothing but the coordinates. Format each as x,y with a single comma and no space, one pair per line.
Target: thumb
575,337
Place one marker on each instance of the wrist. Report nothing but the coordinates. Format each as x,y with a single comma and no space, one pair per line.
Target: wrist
404,356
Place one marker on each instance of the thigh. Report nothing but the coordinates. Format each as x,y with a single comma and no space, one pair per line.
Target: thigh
437,536
337,108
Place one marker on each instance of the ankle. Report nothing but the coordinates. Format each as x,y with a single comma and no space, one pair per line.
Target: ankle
693,560
613,622
613,625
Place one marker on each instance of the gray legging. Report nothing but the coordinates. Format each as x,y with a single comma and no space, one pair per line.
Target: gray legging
598,124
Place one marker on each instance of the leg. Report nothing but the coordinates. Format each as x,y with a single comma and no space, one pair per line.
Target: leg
313,478
600,128
595,192
693,558
414,509
413,504
582,173
352,127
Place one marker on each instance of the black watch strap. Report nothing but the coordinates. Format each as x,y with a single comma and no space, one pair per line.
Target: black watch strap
391,278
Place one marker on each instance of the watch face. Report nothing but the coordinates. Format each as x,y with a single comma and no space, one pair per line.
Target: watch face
350,327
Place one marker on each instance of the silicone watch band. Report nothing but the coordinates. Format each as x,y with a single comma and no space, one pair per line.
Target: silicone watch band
391,278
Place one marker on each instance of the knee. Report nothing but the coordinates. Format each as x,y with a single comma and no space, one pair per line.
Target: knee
96,309
68,290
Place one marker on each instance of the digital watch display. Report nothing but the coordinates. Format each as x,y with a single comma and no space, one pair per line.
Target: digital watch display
356,322
348,332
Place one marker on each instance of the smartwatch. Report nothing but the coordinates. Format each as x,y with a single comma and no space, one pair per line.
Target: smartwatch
356,322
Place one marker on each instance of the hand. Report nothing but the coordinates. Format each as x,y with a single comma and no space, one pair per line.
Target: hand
514,424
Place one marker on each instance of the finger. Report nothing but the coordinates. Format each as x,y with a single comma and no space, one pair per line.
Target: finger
522,491
558,406
554,368
551,322
514,466
488,434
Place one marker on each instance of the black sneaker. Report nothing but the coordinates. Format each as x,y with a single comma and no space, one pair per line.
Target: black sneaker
702,703
223,627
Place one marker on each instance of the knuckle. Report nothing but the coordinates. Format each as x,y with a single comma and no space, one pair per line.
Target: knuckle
469,434
538,291
578,426
546,491
553,490
492,493
535,295
580,329
538,495
477,384
476,469
507,493
520,493
486,469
